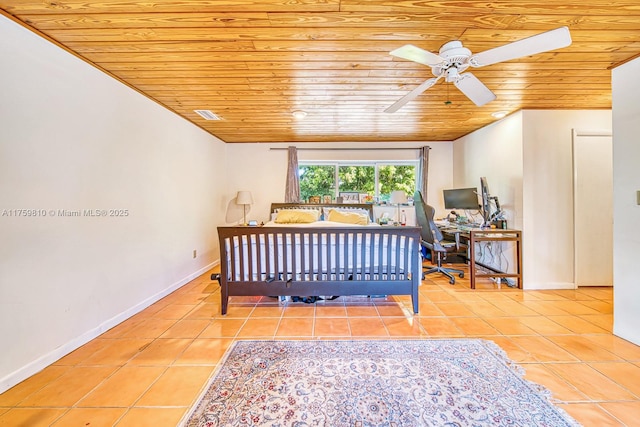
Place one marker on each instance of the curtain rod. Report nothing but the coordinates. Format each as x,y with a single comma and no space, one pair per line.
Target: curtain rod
349,149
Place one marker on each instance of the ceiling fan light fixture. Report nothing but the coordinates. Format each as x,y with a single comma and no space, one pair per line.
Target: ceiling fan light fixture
299,114
499,114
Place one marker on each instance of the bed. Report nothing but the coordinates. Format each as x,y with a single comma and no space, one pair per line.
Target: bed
330,255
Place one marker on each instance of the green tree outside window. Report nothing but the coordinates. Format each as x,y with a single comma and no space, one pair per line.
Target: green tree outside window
320,180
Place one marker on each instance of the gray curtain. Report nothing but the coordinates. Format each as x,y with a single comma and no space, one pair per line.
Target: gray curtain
292,188
423,172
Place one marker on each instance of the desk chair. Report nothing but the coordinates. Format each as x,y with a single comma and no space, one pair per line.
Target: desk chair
432,239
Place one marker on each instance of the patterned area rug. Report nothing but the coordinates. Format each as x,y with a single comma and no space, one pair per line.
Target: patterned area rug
462,382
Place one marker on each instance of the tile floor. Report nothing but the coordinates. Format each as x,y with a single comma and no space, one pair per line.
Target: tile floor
149,370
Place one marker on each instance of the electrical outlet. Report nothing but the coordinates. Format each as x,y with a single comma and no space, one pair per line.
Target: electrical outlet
194,253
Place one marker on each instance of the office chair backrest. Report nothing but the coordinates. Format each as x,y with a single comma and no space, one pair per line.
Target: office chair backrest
424,218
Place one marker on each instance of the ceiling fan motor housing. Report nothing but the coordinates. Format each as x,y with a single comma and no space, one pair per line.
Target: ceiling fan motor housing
455,56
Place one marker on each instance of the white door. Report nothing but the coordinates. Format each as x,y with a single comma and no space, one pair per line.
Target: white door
593,208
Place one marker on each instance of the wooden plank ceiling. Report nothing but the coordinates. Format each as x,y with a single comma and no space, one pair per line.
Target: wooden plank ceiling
254,62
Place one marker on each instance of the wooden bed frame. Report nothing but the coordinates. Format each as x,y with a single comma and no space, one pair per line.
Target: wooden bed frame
254,269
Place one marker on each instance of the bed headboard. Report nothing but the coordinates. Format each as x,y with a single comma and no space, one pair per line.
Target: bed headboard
361,206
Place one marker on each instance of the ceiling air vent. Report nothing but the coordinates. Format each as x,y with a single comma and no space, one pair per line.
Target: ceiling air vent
207,115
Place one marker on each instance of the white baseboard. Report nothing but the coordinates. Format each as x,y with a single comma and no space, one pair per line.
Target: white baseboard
47,359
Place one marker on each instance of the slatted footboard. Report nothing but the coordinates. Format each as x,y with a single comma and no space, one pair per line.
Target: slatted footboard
288,261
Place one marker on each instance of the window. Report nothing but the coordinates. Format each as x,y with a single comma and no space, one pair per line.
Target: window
375,179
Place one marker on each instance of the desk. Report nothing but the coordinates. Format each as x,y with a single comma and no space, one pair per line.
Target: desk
476,235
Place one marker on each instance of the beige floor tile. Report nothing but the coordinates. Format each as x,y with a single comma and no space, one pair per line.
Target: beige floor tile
259,328
161,352
331,327
20,391
455,309
626,412
123,388
174,311
31,417
295,327
403,327
486,309
394,310
429,309
334,310
90,417
440,327
207,311
513,308
222,328
560,389
120,330
545,308
204,351
583,377
509,325
514,351
177,386
149,328
367,327
618,346
238,311
605,321
361,310
543,325
186,328
69,388
625,374
82,353
575,307
473,326
152,417
438,296
299,309
268,311
543,350
603,307
578,325
116,352
582,348
590,415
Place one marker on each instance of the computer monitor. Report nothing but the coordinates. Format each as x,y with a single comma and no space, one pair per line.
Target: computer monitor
486,197
461,198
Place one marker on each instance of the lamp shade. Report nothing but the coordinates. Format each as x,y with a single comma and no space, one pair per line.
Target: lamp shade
398,196
244,198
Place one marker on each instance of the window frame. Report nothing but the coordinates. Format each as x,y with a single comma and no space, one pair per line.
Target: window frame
376,164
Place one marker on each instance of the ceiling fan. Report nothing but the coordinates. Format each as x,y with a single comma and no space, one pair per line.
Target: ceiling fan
453,59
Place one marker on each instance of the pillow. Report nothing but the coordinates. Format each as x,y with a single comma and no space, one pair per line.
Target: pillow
348,217
296,216
345,209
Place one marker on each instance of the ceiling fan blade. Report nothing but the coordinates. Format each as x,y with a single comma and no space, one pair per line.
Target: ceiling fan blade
474,89
411,95
554,39
415,54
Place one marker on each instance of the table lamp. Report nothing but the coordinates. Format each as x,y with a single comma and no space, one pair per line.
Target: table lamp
398,197
244,198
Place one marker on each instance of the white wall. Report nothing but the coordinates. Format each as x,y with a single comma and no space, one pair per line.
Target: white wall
626,212
527,159
263,171
72,138
548,192
494,152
